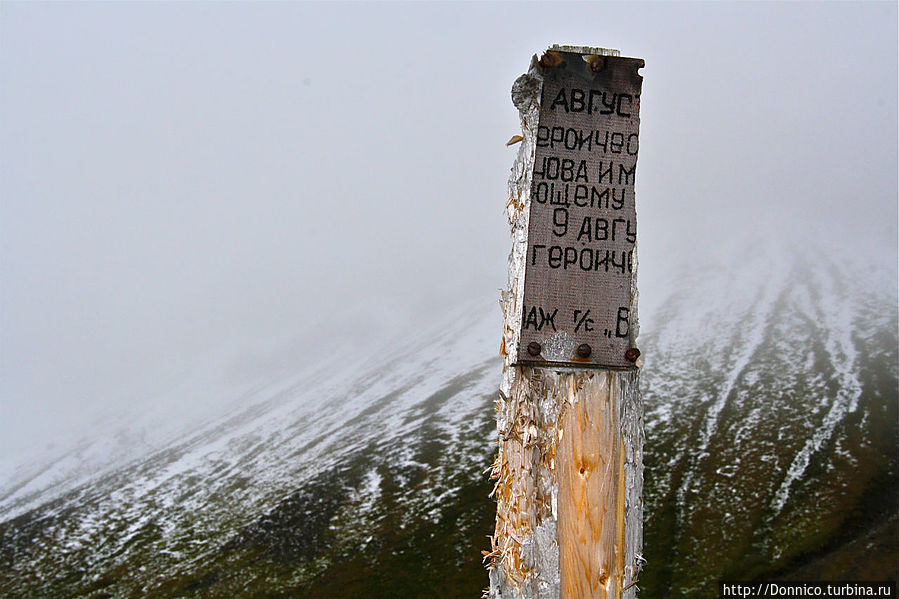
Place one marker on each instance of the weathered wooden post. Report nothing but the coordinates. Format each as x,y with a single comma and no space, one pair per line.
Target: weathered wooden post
569,470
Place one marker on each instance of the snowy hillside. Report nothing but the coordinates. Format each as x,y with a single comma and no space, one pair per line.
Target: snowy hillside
771,432
771,425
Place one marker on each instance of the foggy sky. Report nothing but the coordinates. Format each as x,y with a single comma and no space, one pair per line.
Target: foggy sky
182,181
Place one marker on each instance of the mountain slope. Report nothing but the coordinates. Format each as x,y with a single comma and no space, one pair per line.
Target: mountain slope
771,435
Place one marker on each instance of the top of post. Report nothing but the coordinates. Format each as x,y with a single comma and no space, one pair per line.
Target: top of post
585,50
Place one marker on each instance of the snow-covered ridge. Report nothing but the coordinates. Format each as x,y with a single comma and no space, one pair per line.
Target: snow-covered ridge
756,377
307,410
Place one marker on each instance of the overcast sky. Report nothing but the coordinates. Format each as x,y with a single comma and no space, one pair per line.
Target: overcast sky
181,179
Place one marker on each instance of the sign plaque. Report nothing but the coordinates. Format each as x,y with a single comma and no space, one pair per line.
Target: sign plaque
582,226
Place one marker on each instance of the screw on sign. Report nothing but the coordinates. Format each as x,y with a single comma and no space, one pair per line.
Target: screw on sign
569,466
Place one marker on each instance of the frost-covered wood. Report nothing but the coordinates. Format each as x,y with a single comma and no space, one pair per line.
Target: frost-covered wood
569,468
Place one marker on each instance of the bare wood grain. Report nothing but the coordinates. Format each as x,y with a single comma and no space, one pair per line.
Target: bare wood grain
591,501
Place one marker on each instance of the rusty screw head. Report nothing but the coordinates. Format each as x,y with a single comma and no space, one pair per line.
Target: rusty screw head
597,63
632,354
584,350
534,348
551,59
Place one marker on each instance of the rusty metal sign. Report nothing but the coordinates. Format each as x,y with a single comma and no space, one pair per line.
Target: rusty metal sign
582,224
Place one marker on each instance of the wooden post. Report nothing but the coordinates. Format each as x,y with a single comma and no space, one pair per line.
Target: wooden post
569,469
